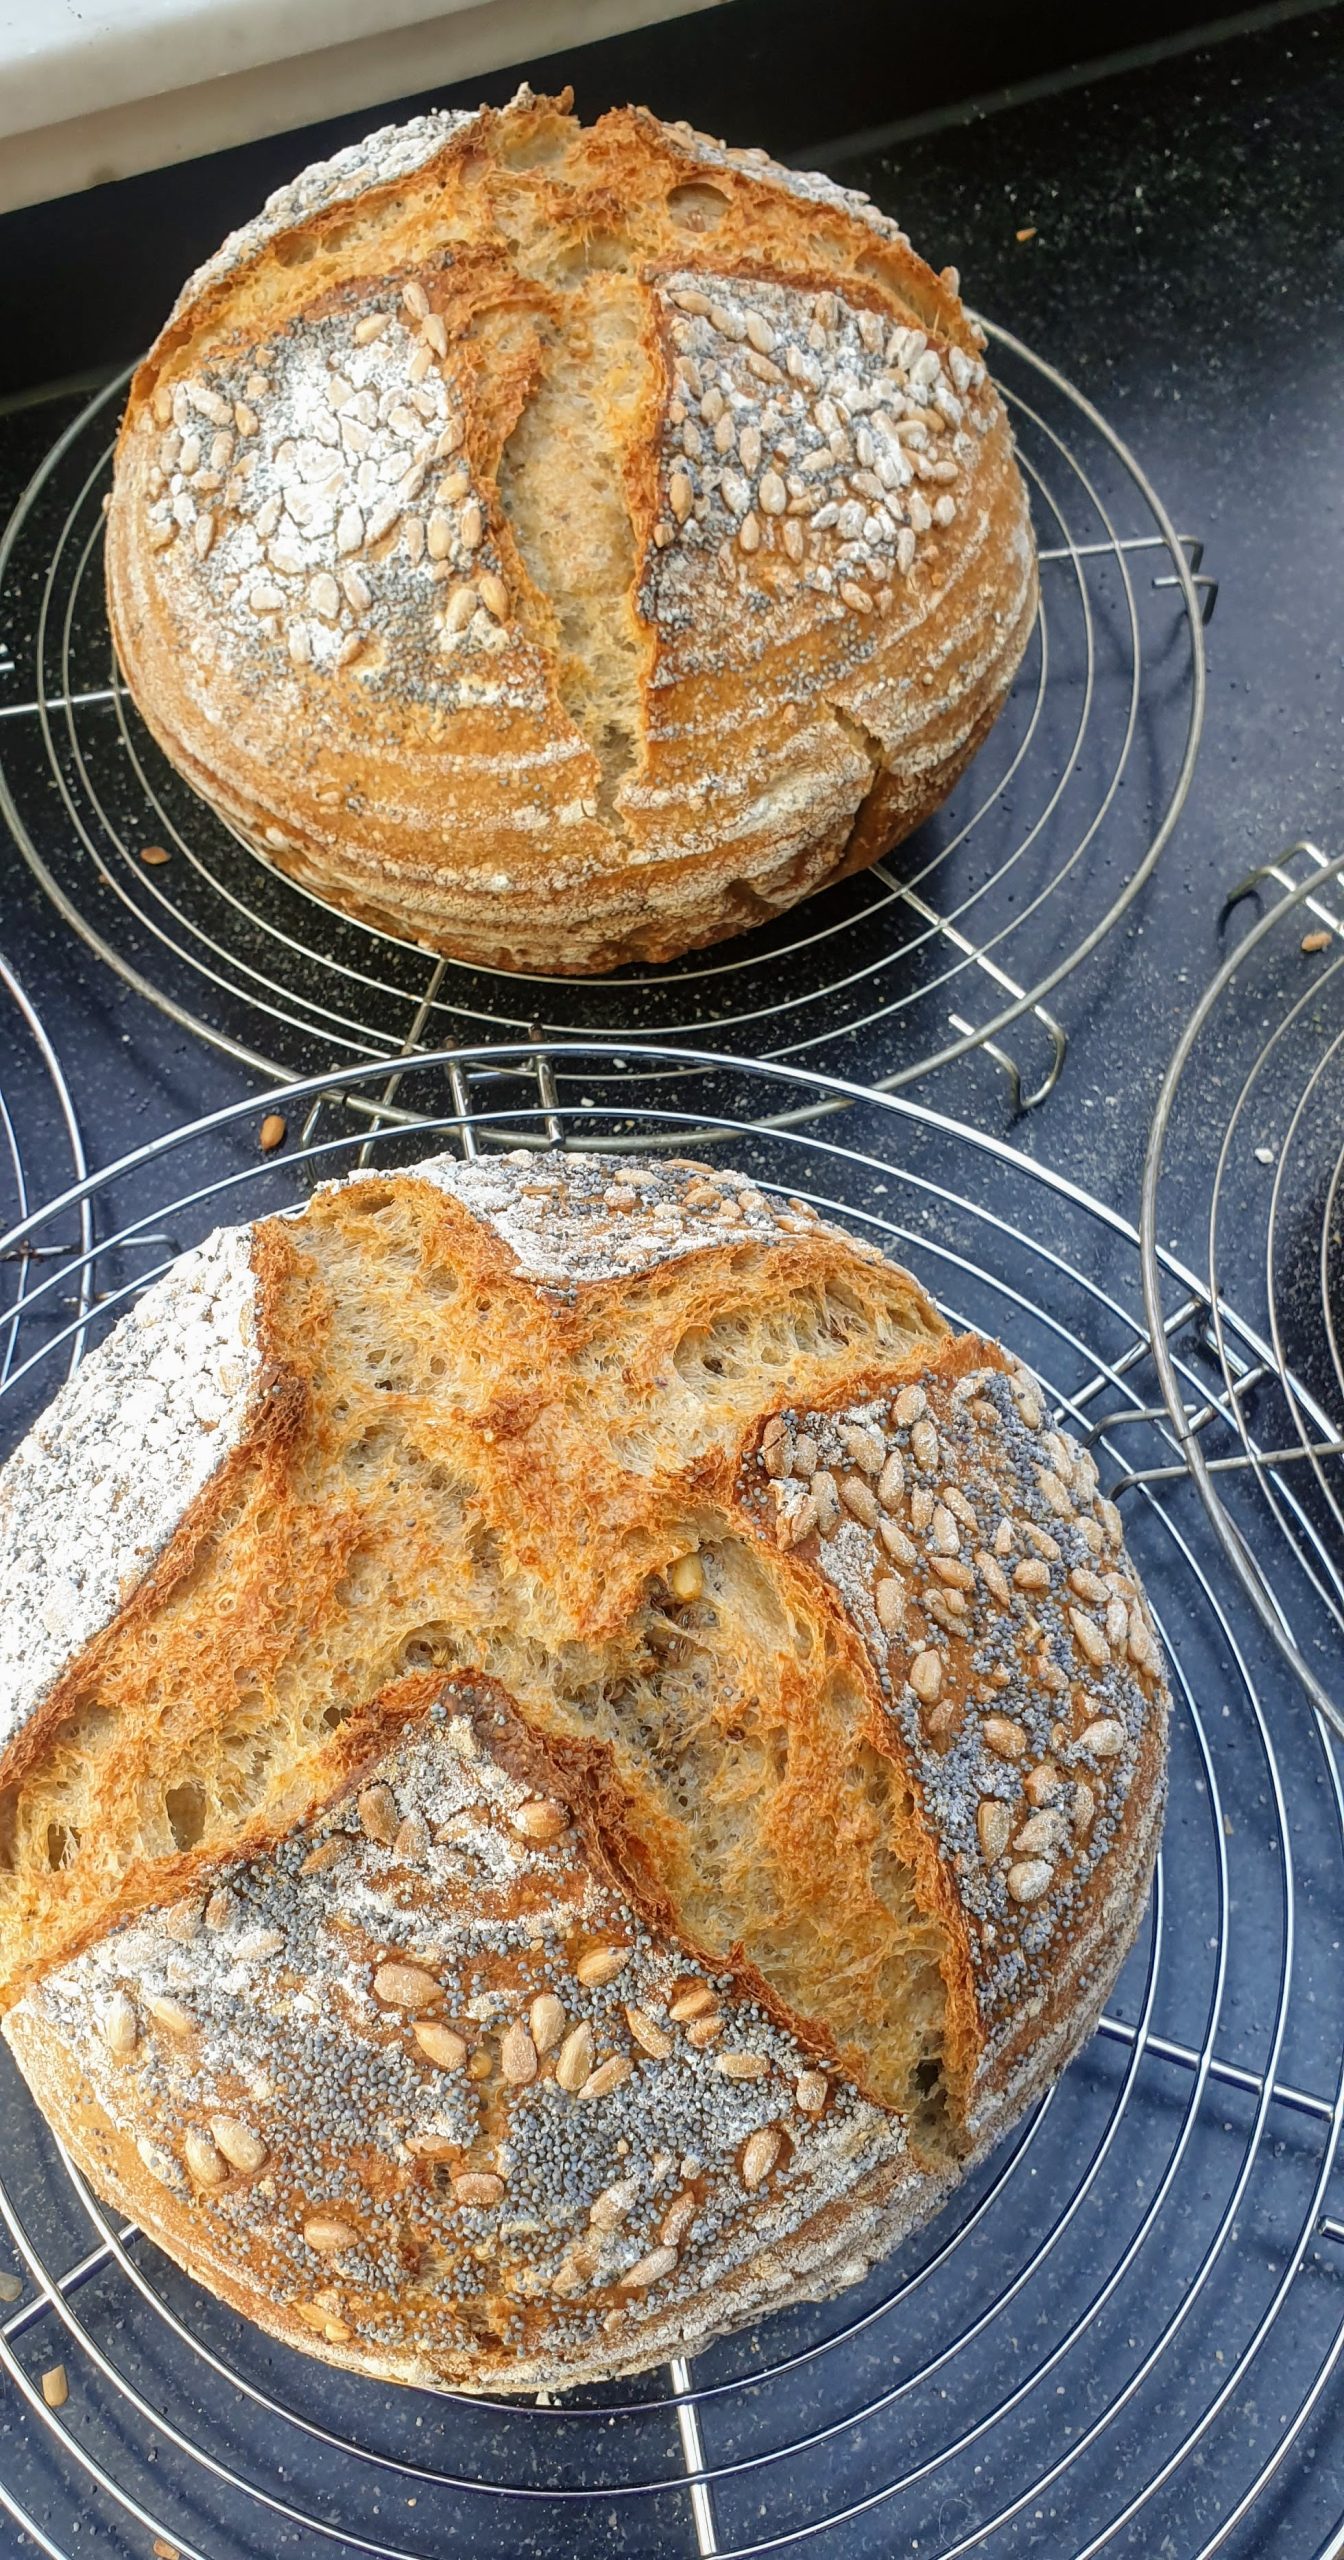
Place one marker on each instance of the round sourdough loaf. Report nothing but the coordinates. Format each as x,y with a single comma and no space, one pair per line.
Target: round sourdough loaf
571,1756
563,547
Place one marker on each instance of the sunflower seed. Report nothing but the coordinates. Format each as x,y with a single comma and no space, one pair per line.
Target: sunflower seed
608,2076
1006,1739
241,2147
926,1676
691,2003
439,2045
742,2066
600,1964
649,2270
1090,1640
924,1447
889,1602
677,2220
121,2027
859,1499
203,2160
379,1814
171,2016
477,2186
546,2018
575,2058
1029,1878
993,1823
609,2210
406,1986
759,2154
1105,1736
648,2036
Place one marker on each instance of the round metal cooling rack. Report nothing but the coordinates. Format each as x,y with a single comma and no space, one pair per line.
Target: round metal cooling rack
961,934
1246,1158
40,1149
1124,2332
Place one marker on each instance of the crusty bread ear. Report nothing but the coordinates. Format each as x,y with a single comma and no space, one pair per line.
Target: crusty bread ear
567,546
640,1755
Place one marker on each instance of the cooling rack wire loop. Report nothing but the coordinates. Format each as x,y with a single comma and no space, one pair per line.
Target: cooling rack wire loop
39,1131
1245,1159
1128,2324
961,937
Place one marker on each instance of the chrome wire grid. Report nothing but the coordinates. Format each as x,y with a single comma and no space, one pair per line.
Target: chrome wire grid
41,1151
1246,1160
963,933
1122,2335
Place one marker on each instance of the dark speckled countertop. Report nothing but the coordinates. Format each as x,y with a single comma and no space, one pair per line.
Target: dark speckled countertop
1187,270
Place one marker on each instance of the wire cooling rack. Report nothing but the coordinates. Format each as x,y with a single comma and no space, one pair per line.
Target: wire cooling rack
963,933
41,1151
1124,2332
1246,1159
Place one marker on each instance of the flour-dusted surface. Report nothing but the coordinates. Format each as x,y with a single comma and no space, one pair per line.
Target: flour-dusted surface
378,160
987,1574
570,1219
548,2106
587,1907
550,573
95,1492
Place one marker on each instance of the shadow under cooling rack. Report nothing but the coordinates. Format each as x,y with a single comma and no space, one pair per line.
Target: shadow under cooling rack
963,933
1122,2335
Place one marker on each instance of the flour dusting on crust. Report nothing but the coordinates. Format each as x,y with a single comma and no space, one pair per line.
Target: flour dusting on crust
394,151
575,1218
93,1495
667,2172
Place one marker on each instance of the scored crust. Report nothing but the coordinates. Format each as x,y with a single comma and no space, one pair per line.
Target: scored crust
638,1758
562,546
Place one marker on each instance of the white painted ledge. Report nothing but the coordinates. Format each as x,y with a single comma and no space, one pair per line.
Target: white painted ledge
98,89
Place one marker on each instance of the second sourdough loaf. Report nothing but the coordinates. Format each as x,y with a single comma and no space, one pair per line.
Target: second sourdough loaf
563,546
571,1756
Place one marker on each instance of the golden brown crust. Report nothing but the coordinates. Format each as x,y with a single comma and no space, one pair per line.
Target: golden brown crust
625,1594
636,679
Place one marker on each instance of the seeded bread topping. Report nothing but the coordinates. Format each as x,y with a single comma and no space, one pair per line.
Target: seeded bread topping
594,545
1010,1638
626,1754
579,1218
498,2093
